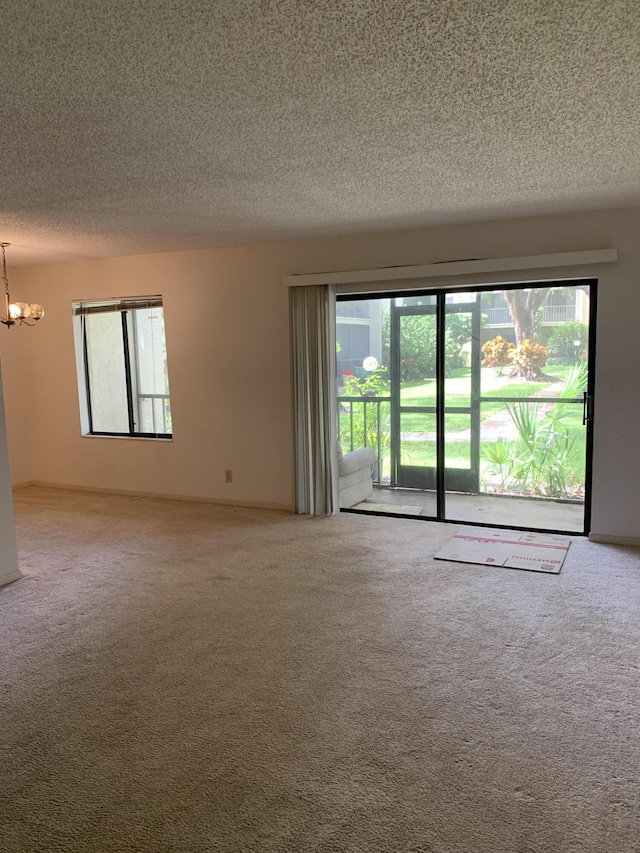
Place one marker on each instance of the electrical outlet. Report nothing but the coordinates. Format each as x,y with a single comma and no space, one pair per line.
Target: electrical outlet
228,476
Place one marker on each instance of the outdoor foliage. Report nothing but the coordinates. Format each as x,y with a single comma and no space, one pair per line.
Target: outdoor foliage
575,382
418,348
418,345
499,455
366,422
540,461
458,329
529,359
497,354
373,384
562,341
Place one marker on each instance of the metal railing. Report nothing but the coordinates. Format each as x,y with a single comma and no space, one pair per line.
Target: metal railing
366,422
558,313
155,409
498,317
550,314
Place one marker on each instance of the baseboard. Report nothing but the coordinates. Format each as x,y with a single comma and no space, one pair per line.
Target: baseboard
11,577
614,540
134,493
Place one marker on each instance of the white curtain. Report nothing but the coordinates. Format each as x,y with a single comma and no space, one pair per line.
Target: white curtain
312,318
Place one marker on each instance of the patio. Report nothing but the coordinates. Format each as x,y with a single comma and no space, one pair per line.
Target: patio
507,510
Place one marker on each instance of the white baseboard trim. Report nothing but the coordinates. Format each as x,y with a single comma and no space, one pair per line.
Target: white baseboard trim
11,577
606,539
134,493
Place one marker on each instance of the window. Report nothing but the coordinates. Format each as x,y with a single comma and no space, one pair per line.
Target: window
122,367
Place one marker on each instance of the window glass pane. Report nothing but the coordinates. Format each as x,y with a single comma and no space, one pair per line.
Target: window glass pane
406,301
457,433
105,355
462,298
362,345
418,433
152,376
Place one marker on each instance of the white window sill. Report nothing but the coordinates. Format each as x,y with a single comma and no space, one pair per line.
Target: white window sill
129,438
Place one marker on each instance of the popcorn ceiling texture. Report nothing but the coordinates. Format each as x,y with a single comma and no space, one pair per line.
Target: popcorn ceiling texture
146,125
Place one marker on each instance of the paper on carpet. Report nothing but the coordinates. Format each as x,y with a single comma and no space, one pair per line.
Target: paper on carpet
511,549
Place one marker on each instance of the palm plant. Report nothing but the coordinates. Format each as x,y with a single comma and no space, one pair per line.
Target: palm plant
500,455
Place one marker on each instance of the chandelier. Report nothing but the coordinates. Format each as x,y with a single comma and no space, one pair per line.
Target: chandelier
17,312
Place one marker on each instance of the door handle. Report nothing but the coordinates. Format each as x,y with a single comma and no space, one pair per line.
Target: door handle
587,407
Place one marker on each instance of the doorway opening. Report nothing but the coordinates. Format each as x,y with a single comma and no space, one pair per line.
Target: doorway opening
478,403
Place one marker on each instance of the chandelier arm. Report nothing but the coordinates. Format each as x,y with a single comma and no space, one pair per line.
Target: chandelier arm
4,268
8,320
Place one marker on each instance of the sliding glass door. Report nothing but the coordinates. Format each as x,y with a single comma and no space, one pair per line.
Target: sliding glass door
534,410
478,403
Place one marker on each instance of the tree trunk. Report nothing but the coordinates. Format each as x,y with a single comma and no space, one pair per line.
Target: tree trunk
523,305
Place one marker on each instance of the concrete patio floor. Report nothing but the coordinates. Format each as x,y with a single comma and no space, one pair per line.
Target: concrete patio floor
540,513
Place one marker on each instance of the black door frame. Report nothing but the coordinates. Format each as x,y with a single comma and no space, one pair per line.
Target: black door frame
588,402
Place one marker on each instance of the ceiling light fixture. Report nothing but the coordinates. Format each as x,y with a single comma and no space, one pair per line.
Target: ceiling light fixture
17,312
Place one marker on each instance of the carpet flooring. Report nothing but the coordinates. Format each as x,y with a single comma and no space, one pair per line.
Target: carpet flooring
186,677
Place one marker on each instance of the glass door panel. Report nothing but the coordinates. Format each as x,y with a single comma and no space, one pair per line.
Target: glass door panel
417,463
457,456
414,393
531,439
461,391
362,378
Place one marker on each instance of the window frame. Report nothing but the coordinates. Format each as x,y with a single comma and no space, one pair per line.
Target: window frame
126,308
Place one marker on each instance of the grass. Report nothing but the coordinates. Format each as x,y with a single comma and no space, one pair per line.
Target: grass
458,394
419,449
457,453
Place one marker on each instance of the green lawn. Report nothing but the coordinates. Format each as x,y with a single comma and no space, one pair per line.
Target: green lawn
419,449
458,394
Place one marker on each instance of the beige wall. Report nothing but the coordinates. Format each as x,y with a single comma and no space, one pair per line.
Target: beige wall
227,336
227,340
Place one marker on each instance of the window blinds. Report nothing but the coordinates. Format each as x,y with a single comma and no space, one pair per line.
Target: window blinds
104,306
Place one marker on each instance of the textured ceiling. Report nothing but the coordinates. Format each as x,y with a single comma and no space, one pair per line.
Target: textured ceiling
147,125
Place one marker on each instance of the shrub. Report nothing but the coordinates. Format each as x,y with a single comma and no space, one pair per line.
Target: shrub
529,359
418,344
562,341
497,353
372,384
